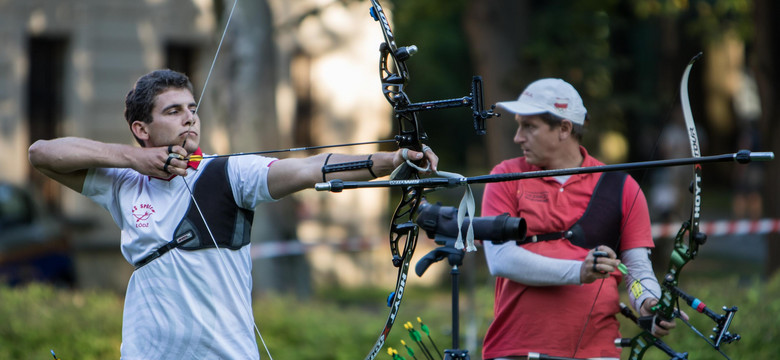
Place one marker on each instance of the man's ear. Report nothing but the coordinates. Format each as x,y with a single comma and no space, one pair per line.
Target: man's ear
566,128
140,130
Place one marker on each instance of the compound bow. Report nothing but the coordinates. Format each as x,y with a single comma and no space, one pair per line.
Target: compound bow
394,76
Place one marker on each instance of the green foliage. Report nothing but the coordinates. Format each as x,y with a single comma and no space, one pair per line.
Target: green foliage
76,325
708,19
87,325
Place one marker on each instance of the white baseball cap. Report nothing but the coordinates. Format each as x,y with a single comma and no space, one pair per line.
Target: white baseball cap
553,96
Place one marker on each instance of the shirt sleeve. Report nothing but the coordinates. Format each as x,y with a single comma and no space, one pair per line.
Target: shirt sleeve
249,180
636,231
499,197
640,280
515,263
100,186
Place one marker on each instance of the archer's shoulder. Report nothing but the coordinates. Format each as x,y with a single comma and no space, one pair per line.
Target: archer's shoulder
514,165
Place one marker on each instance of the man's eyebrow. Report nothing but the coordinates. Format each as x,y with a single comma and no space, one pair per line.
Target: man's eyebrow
171,106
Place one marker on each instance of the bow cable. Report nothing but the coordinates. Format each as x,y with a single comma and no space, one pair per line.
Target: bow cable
233,279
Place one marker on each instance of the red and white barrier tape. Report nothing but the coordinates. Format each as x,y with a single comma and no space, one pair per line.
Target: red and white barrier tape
722,228
272,249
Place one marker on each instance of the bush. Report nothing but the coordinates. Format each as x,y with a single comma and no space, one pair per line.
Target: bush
39,318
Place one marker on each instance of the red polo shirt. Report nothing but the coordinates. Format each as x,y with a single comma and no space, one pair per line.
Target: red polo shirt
550,319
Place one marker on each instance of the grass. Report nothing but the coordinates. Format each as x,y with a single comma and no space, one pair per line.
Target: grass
344,323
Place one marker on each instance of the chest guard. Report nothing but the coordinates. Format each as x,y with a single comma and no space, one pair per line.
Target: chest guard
230,224
601,222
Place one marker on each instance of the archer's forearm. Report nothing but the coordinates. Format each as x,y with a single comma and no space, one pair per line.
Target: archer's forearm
640,269
70,154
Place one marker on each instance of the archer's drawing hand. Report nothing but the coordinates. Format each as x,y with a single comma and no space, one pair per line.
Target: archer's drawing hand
161,162
598,264
662,327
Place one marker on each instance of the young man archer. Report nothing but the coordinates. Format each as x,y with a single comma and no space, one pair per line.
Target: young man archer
188,297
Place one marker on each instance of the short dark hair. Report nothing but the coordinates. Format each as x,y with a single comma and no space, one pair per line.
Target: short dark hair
140,100
577,130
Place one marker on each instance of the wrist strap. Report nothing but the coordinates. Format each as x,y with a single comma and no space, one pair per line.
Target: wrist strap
325,166
347,166
371,165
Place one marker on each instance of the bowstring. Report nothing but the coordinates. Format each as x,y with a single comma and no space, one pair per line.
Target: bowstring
232,277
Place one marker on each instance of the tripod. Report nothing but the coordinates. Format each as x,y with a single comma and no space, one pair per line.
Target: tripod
455,260
440,223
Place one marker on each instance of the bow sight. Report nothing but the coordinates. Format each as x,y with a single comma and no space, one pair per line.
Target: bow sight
393,82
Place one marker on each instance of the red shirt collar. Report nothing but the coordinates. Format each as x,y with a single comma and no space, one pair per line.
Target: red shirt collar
195,163
192,163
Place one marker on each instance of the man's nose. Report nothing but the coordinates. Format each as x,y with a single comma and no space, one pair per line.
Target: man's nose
519,137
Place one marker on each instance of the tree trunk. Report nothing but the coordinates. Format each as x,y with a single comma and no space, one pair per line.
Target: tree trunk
497,31
765,58
243,87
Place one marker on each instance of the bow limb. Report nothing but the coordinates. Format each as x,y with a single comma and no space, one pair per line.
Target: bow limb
685,251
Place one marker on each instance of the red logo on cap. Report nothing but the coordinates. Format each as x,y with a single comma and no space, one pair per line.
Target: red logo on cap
561,104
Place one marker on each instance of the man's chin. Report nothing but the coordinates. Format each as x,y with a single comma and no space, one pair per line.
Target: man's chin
190,146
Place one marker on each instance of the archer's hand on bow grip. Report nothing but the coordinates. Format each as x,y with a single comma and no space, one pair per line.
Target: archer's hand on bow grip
660,326
428,162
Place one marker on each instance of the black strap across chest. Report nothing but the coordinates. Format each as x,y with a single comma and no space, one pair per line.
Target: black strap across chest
230,225
602,220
